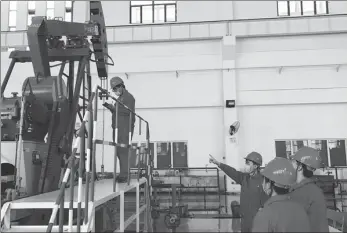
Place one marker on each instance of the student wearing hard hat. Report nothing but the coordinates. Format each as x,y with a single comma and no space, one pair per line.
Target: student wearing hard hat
124,96
305,161
280,213
252,196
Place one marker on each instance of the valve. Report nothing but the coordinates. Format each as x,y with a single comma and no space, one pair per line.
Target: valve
155,213
172,221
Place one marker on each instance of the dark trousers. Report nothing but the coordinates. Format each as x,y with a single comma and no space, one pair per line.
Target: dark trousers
122,154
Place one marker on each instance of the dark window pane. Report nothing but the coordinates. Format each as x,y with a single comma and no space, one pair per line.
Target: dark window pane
180,154
281,149
337,150
163,155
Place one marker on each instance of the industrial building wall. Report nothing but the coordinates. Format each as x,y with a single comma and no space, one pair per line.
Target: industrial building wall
302,95
118,12
177,87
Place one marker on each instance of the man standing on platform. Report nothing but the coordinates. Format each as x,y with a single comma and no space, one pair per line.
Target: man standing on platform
124,96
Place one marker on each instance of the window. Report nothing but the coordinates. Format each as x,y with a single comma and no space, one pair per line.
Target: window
135,160
31,11
152,11
50,10
68,11
12,17
297,8
165,155
31,6
332,152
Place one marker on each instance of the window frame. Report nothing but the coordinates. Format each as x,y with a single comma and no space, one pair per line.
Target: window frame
317,139
50,8
68,10
153,4
155,152
12,28
31,12
302,10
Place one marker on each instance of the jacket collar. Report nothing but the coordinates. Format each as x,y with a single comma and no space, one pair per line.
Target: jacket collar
277,198
301,184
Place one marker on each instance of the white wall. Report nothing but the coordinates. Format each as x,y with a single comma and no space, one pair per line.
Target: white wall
254,9
299,102
177,107
192,11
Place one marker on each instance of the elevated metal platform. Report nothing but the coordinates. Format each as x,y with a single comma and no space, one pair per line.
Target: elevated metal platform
103,194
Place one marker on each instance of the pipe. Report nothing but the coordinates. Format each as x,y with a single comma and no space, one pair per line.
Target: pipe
61,213
20,143
80,174
69,170
95,121
139,160
7,77
115,139
129,147
62,188
72,187
89,149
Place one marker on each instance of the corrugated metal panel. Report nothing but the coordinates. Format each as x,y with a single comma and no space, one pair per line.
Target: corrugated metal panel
163,154
180,154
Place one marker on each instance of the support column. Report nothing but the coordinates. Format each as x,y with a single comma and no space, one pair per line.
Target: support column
231,157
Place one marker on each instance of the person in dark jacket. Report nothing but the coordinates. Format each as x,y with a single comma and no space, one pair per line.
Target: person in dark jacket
306,192
252,196
280,213
124,96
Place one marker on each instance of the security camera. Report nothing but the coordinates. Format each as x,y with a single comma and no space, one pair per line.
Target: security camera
234,128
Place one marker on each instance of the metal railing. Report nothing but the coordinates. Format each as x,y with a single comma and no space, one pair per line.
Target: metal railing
89,122
90,118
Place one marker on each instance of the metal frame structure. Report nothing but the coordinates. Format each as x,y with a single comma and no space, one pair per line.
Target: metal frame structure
95,195
46,45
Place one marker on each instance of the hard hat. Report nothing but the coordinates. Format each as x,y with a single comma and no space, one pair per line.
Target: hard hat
115,81
281,172
308,156
255,157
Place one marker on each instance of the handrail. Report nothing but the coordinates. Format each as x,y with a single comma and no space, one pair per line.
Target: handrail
89,120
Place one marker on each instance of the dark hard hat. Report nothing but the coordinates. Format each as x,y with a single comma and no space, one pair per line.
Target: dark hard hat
281,172
255,157
115,81
308,156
